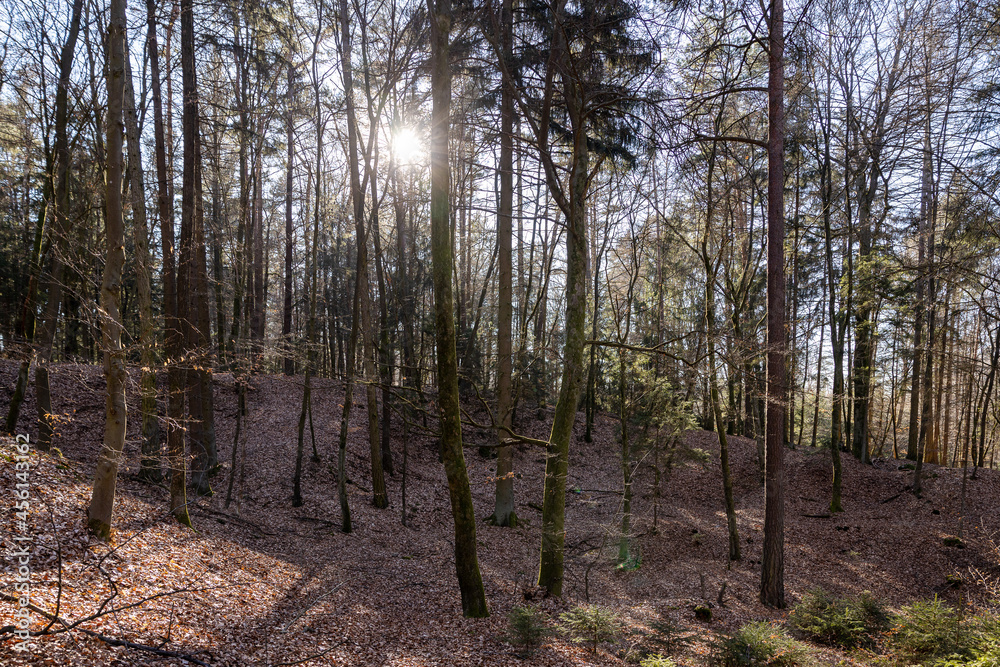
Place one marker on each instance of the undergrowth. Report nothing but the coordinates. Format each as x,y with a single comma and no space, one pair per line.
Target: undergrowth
843,622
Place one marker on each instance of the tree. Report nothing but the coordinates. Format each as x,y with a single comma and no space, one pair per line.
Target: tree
589,69
772,584
102,501
191,280
466,562
150,464
58,234
504,514
173,337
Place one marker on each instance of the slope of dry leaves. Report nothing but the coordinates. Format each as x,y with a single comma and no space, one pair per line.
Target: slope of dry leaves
267,584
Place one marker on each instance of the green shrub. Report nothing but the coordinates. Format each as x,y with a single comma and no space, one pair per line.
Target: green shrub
657,661
759,645
526,628
590,623
844,622
984,656
928,632
982,635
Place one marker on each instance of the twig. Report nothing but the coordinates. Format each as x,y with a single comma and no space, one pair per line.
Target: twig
110,641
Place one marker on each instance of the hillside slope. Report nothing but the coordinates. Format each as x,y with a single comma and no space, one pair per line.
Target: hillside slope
268,584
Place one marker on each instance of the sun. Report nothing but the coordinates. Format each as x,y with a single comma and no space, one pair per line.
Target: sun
407,146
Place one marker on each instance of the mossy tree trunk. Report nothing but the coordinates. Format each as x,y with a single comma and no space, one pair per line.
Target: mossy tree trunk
470,580
550,570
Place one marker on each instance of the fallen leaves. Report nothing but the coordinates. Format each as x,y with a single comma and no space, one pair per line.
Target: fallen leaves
261,583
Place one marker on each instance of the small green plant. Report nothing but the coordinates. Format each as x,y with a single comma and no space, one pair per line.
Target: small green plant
844,622
703,612
984,656
590,623
526,629
927,632
759,645
657,661
982,638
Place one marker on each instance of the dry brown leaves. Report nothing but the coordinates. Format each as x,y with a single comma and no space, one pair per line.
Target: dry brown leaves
268,584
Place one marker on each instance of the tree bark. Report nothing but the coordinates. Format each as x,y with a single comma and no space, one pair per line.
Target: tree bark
362,320
286,319
193,310
772,587
503,513
150,463
466,562
102,500
172,329
60,228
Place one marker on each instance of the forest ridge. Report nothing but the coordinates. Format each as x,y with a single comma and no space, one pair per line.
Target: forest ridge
768,222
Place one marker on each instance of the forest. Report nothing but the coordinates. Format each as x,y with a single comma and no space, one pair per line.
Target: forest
498,331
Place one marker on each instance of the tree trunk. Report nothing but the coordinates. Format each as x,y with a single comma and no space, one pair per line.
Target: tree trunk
550,571
466,563
503,513
102,502
286,320
772,587
58,243
311,290
172,329
150,463
837,320
362,297
191,282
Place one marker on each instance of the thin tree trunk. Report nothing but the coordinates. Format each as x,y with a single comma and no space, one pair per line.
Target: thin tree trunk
310,360
286,320
503,513
172,330
150,463
60,228
362,297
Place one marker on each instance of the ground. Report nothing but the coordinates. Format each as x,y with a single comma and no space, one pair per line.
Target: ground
263,583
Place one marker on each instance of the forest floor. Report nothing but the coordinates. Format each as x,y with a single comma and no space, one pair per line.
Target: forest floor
263,583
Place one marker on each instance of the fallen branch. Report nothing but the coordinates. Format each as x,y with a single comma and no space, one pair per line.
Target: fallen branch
110,641
891,498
